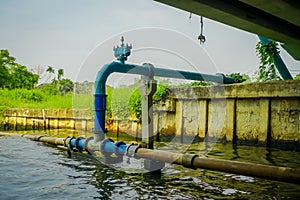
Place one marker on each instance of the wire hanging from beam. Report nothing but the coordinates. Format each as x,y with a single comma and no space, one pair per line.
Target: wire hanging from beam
201,37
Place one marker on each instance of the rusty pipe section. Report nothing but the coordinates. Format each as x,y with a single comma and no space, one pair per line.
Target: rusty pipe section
249,169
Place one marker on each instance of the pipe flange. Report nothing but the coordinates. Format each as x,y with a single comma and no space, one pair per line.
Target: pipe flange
132,149
117,150
102,146
70,145
87,140
188,160
37,138
65,141
79,148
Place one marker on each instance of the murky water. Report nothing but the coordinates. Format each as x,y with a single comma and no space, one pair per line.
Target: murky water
34,170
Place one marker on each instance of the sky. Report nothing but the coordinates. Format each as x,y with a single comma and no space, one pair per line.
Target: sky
78,36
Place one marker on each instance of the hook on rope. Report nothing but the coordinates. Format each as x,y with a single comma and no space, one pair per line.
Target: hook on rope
201,37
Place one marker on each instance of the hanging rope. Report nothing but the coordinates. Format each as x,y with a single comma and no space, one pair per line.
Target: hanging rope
201,37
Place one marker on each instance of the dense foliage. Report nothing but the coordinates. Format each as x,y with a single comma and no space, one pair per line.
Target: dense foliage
297,77
239,78
14,75
198,83
267,70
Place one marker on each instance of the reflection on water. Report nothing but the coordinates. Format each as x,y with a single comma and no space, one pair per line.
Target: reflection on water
34,170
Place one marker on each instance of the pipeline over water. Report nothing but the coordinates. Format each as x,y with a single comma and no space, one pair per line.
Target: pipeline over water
108,147
145,70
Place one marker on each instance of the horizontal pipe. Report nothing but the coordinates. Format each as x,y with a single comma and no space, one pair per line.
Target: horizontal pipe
106,70
110,68
249,169
50,140
285,174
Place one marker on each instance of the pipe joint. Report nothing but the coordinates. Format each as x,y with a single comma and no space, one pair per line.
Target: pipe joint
76,144
67,141
37,138
132,149
188,160
118,148
107,147
86,143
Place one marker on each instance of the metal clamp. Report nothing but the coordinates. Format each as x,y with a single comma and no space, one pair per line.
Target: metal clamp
132,149
87,140
65,141
117,150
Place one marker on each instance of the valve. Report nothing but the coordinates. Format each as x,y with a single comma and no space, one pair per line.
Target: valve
123,51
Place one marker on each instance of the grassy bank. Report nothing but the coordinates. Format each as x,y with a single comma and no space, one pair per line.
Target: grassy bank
22,98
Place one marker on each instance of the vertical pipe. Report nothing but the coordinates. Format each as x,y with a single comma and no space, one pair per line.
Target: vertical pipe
147,90
99,120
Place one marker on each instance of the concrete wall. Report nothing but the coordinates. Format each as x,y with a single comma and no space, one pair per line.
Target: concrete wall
254,113
47,118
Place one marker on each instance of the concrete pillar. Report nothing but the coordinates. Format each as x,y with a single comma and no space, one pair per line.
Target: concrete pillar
179,117
264,119
147,89
230,119
202,125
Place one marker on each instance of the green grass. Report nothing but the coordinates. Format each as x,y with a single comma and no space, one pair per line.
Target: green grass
22,98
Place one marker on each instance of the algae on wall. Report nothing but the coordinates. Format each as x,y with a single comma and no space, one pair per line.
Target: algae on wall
252,113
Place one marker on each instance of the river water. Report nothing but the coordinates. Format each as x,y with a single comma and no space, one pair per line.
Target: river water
35,170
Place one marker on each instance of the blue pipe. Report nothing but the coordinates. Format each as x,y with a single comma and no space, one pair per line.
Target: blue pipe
107,146
78,143
100,94
281,67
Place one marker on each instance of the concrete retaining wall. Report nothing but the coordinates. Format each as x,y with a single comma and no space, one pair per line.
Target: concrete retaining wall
47,118
254,113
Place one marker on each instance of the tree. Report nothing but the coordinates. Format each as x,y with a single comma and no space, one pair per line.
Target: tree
65,86
135,106
60,73
14,75
266,52
22,78
51,71
5,62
